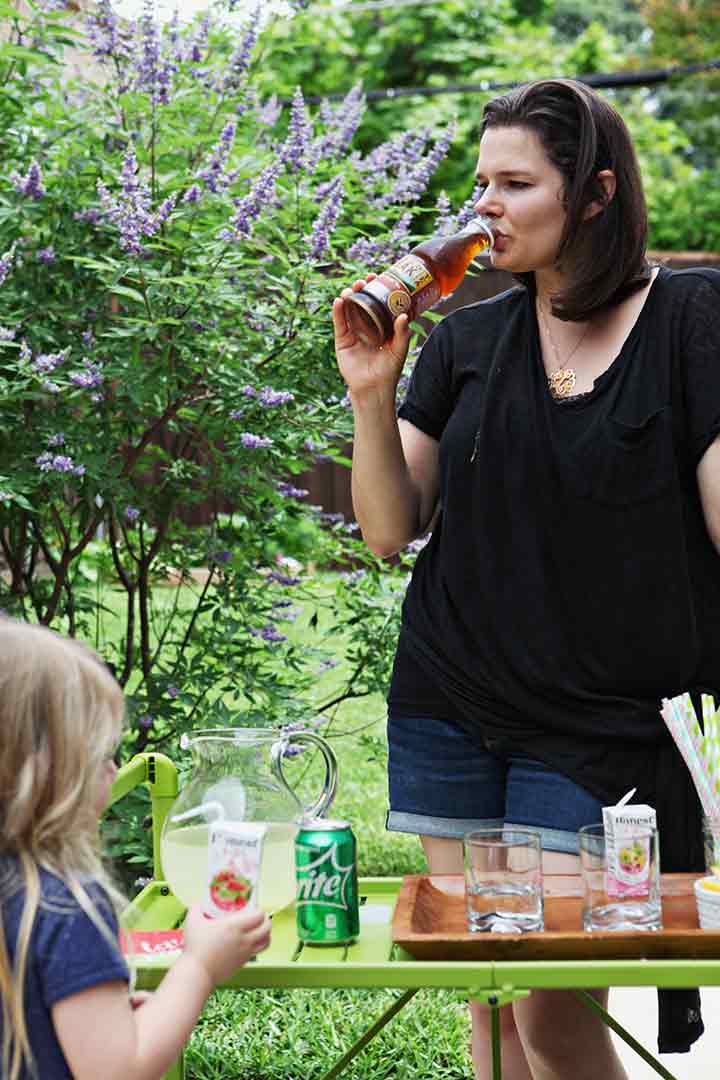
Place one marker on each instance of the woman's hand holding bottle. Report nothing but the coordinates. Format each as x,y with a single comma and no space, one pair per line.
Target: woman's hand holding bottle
366,369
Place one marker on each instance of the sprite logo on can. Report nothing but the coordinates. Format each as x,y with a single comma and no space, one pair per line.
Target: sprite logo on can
327,897
325,880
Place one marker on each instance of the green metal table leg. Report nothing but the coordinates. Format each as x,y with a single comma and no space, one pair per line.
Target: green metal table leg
589,1000
379,1024
495,1041
495,1000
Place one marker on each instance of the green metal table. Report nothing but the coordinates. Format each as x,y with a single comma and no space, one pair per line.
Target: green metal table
376,962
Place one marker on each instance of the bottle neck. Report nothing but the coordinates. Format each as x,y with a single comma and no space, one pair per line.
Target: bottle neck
479,224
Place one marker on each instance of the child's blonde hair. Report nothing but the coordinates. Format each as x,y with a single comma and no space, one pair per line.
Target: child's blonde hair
61,716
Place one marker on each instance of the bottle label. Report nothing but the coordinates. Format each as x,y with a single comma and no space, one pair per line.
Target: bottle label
412,273
407,288
399,302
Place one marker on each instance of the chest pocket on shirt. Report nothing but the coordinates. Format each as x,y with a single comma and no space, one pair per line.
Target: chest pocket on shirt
629,460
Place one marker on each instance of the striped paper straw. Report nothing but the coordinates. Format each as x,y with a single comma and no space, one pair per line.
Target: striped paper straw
679,716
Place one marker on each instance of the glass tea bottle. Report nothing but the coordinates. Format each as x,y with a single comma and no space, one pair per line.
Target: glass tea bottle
431,270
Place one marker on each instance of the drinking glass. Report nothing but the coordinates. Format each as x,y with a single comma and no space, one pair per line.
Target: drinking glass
631,903
503,880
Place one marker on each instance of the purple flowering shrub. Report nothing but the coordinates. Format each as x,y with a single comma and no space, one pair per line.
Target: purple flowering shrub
170,243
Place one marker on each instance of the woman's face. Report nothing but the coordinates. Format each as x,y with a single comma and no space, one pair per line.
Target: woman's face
524,195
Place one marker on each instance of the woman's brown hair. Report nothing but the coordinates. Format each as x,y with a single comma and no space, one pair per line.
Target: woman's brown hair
603,255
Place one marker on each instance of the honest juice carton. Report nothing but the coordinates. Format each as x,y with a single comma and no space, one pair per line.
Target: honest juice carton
628,847
234,861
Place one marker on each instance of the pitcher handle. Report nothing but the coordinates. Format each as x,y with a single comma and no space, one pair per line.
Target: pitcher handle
324,800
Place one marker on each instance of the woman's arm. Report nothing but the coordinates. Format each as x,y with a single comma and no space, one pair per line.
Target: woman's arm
394,479
395,465
708,475
100,1033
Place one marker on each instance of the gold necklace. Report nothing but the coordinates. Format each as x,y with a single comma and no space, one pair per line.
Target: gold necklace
561,381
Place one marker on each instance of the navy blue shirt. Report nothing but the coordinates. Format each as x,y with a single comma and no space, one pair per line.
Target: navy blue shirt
67,954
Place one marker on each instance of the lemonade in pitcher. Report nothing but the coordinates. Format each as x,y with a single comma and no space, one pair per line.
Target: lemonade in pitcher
238,778
185,862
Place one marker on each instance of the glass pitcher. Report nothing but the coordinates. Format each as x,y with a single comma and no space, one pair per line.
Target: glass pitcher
238,775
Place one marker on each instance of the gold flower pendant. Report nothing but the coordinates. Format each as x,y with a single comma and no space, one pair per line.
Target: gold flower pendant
561,383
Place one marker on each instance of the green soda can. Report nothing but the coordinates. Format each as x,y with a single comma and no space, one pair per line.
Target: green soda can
327,890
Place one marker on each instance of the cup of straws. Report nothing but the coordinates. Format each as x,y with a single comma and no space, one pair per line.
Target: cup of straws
698,740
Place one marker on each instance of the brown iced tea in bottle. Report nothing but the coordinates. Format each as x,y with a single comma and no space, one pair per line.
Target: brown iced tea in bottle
431,270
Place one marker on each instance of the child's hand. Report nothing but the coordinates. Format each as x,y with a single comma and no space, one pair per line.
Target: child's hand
224,945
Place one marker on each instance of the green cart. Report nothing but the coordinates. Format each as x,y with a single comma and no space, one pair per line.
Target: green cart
376,961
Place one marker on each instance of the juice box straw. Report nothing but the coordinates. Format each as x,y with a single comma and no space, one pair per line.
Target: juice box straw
675,713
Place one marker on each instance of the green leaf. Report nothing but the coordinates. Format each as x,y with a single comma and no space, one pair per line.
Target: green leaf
132,294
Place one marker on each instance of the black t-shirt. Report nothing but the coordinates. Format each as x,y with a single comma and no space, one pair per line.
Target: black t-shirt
569,583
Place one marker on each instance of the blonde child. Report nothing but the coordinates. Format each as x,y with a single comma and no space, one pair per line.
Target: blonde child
66,1008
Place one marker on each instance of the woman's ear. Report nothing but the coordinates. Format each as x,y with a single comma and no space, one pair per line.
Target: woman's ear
607,179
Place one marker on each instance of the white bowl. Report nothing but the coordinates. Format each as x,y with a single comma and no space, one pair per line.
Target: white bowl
708,904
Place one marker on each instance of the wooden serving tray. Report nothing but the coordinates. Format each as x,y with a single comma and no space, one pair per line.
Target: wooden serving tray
430,923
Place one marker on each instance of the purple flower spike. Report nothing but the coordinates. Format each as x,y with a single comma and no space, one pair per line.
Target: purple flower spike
467,210
46,363
6,261
213,174
132,513
326,220
445,221
30,185
254,442
193,194
294,151
289,492
269,397
108,37
269,112
130,211
90,376
283,579
61,463
250,207
153,71
340,123
239,62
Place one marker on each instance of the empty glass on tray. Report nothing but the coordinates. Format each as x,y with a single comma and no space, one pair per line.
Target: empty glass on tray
503,880
625,896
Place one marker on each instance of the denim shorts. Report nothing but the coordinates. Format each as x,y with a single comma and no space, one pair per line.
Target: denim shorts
443,783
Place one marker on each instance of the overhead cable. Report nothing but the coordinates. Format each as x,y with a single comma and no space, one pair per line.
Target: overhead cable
609,81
